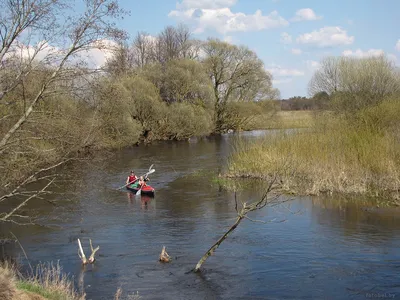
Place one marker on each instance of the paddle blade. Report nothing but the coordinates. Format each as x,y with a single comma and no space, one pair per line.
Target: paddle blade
150,172
138,192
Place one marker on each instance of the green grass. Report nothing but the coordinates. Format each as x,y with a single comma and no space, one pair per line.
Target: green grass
38,289
48,281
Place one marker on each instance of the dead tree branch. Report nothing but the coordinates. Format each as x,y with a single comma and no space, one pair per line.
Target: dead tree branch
82,255
265,200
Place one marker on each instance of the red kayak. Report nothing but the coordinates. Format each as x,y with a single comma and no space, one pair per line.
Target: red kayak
146,190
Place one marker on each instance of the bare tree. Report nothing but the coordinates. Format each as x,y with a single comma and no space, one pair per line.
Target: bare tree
122,62
242,209
326,78
183,36
47,63
142,48
174,43
169,44
354,83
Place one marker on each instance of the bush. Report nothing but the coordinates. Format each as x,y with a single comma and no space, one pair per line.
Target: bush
186,120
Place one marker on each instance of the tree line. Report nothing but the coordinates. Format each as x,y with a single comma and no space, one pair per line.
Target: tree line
56,107
319,101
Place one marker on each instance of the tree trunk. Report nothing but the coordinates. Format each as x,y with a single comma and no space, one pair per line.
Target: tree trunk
216,245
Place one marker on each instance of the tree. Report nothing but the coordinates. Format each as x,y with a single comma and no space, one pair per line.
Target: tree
173,43
242,210
237,74
122,62
353,83
143,49
34,48
321,100
185,80
326,78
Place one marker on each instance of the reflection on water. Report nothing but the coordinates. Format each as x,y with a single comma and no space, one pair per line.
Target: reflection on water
332,249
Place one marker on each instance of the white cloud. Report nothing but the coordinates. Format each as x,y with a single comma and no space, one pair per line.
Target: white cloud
362,54
286,38
205,4
95,57
98,56
278,71
305,14
326,37
217,15
281,81
312,64
398,45
296,51
229,39
40,51
370,53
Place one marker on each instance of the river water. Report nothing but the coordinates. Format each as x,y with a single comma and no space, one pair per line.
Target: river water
326,248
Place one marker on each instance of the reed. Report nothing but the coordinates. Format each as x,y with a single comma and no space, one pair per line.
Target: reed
358,155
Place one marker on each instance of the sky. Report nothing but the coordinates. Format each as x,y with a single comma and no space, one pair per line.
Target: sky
289,36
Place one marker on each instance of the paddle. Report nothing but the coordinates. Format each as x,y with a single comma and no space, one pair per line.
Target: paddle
145,176
150,172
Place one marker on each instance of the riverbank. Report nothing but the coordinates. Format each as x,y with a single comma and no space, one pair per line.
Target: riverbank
336,155
48,282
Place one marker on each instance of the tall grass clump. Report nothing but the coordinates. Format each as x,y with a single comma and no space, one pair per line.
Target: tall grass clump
335,156
47,282
353,149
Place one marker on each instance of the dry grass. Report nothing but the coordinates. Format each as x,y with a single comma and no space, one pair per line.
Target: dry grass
48,282
282,119
118,295
335,156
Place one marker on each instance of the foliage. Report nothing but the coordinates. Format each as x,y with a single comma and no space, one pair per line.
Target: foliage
353,83
237,75
36,81
185,120
117,128
186,81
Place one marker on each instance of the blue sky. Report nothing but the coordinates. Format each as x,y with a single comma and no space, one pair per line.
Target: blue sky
290,36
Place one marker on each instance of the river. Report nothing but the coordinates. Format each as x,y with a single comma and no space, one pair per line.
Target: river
326,248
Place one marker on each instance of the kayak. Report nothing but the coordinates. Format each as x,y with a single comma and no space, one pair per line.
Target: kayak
147,190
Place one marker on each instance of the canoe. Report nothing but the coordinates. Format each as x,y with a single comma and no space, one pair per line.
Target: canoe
147,190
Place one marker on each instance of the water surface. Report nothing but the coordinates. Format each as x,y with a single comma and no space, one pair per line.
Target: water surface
327,248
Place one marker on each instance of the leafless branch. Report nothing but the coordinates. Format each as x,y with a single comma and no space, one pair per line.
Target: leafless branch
23,203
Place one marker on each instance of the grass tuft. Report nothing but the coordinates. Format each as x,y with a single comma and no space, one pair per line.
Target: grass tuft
360,155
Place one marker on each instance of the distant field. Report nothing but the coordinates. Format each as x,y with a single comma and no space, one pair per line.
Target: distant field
282,119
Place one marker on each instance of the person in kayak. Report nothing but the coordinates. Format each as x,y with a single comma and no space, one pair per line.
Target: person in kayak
131,178
142,182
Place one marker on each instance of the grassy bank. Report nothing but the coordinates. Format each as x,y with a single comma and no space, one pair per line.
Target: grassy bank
48,282
282,119
356,155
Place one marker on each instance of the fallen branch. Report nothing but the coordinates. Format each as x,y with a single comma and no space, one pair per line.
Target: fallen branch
164,257
242,214
82,255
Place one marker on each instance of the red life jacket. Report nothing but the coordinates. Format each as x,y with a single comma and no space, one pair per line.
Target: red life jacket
132,178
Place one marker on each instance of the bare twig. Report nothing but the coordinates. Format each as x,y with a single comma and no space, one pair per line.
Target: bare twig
23,203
